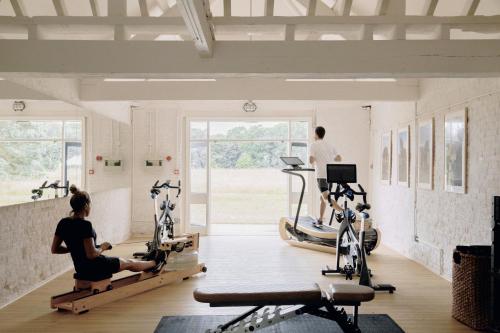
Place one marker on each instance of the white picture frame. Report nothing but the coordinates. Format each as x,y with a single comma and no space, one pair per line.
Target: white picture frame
403,156
455,151
425,154
386,158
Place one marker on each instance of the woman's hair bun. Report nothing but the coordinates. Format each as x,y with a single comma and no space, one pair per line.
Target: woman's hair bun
73,189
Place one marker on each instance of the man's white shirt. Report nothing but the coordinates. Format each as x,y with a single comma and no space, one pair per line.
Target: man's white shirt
323,153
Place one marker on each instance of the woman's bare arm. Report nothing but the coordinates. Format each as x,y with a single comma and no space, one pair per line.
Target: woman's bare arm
91,251
57,247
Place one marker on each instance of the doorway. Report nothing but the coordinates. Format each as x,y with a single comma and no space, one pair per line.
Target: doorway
234,174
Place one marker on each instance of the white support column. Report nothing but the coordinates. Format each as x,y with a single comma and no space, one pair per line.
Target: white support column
311,8
118,8
33,32
18,7
269,10
367,32
290,32
143,6
227,8
94,6
60,7
471,7
194,13
430,7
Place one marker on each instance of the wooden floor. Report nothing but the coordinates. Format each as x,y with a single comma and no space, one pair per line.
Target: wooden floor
422,302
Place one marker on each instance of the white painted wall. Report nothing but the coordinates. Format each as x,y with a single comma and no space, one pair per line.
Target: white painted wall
26,232
442,220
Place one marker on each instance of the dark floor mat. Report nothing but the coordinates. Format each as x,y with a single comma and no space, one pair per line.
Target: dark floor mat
379,323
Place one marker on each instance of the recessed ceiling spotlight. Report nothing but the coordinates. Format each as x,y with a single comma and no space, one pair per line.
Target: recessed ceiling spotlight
249,106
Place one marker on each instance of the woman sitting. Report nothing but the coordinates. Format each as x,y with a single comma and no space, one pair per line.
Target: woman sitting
80,240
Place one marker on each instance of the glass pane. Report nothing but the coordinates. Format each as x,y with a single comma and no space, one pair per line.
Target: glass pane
25,166
198,214
74,163
299,149
262,130
198,130
73,130
300,130
247,186
198,169
12,129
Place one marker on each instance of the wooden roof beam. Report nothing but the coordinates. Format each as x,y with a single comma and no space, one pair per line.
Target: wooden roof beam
430,7
143,6
194,13
60,7
18,7
471,7
94,6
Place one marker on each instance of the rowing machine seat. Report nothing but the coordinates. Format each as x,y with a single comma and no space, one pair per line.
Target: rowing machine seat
256,295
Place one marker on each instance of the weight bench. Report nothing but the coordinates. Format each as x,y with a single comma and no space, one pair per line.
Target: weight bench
299,299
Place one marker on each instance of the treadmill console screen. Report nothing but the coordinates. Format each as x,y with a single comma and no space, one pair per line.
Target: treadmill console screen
293,161
341,173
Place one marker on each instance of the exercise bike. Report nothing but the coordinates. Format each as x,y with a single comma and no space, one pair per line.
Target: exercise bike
350,245
38,192
302,231
164,223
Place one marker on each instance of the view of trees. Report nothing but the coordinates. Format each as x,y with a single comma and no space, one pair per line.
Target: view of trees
239,154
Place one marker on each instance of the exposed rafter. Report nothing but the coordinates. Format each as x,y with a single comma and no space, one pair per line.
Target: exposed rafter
269,9
391,7
94,6
194,13
60,7
311,8
430,7
18,7
143,6
227,7
471,8
353,59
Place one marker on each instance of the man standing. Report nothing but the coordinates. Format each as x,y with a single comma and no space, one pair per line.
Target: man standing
321,154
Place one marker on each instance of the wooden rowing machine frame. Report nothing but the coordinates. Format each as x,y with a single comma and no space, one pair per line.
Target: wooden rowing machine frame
90,294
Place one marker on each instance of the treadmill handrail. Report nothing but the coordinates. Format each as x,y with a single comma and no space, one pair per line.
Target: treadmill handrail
294,172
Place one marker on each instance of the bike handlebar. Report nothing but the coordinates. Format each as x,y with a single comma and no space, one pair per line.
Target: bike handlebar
156,189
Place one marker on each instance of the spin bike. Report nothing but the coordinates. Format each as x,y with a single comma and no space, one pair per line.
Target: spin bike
351,245
164,223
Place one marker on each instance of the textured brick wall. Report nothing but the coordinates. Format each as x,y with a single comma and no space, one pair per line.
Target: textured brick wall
26,232
441,220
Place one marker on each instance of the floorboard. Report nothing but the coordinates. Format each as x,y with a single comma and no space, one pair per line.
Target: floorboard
422,302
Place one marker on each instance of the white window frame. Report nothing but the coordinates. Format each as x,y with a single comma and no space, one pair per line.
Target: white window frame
293,197
63,157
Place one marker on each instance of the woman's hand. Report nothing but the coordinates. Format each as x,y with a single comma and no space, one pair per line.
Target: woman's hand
106,246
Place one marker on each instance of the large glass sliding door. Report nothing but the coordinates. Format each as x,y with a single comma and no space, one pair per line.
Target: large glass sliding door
234,171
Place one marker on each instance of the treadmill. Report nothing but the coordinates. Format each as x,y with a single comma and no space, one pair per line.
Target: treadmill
303,227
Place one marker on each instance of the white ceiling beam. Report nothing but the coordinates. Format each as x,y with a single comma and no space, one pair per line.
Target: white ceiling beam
263,20
311,8
18,7
471,7
391,8
94,6
430,7
60,7
194,13
353,59
236,89
269,9
143,6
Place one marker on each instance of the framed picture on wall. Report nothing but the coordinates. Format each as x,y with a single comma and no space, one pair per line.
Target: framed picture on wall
403,150
425,154
386,158
455,151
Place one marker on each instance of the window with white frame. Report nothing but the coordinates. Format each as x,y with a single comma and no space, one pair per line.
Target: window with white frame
35,151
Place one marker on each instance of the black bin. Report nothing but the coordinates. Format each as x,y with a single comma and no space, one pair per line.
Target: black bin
471,286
